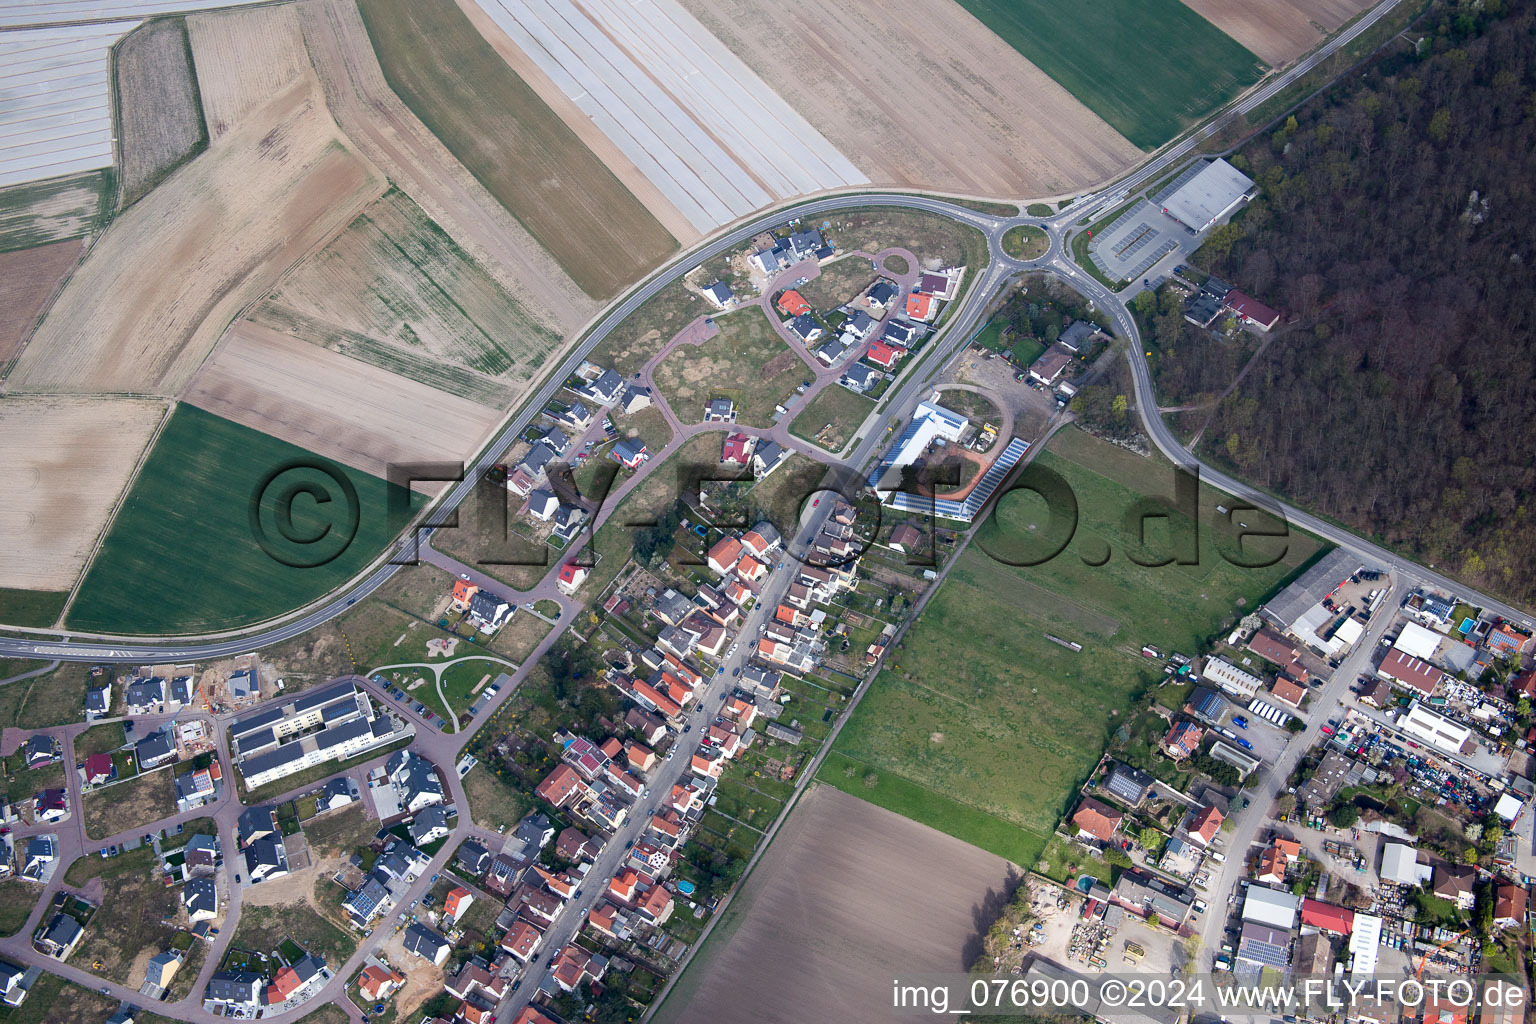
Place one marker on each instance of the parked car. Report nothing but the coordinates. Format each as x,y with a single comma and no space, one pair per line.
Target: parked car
1244,743
1240,721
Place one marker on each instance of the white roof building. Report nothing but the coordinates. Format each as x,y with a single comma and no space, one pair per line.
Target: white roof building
930,422
1508,806
1436,730
1273,907
1208,196
1231,678
1348,632
1364,944
1400,864
1418,642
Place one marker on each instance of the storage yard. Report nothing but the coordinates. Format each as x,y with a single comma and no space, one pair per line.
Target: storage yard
65,461
965,135
696,121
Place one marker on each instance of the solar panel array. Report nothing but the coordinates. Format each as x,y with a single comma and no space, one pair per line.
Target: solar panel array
965,510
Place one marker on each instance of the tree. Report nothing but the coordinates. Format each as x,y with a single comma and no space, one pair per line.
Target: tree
1344,815
1286,804
1150,837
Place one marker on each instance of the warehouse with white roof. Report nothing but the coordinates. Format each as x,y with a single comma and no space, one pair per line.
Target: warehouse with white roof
1418,642
1208,195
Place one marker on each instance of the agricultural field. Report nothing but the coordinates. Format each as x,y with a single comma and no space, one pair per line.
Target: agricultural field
243,57
55,210
341,408
518,148
746,362
821,908
159,115
984,143
395,291
125,806
29,279
67,461
1281,31
1148,67
830,419
154,575
151,298
1012,734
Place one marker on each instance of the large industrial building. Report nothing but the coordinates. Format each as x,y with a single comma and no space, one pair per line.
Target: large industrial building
930,423
329,724
1205,194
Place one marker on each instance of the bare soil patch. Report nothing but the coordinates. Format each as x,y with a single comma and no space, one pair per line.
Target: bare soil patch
155,292
65,461
1278,31
160,121
129,805
988,122
29,278
841,902
344,409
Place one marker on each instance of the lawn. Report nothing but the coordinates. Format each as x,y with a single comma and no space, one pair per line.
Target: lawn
1148,67
1063,861
519,637
830,418
24,782
978,705
263,929
31,607
124,806
462,677
183,554
134,915
89,866
99,739
494,800
16,902
52,1000
839,282
746,362
54,698
518,148
1026,242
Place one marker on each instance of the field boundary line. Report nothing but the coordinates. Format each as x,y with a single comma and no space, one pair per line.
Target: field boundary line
117,506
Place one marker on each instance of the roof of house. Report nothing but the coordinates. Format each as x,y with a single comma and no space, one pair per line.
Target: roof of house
920,306
1339,920
423,941
735,448
98,765
885,355
1097,819
1251,308
1411,672
793,303
1206,823
1288,690
1509,902
1452,880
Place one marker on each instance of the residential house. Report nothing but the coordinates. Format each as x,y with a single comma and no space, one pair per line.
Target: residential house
489,612
51,805
568,520
13,983
1288,691
1251,311
1097,819
1203,825
1048,368
1183,740
429,825
266,859
906,538
201,855
575,965
1128,784
162,967
377,983
426,943
337,793
60,938
529,837
880,295
98,694
415,780
200,897
921,307
859,378
901,333
1454,882
198,786
255,823
719,410
1377,693
604,389
767,456
720,294
39,750
155,749
806,328
502,876
521,480
792,303
635,398
630,453
571,577
883,355
576,417
233,994
522,940
648,727
1509,905
472,858
724,555
736,450
575,845
542,505
456,904
180,692
99,769
143,694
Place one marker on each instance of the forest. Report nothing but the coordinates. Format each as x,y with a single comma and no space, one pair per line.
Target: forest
1395,228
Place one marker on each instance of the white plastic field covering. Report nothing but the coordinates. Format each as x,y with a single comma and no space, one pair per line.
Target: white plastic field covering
55,107
711,135
18,13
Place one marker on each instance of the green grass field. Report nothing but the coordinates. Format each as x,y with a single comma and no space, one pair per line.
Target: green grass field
1026,242
836,410
746,362
182,555
519,149
979,710
31,607
1148,67
53,698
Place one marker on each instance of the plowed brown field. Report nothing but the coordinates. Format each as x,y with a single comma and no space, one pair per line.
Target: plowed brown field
1278,31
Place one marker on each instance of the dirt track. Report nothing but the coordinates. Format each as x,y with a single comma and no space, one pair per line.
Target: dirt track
342,408
402,147
848,896
64,461
919,94
1278,31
